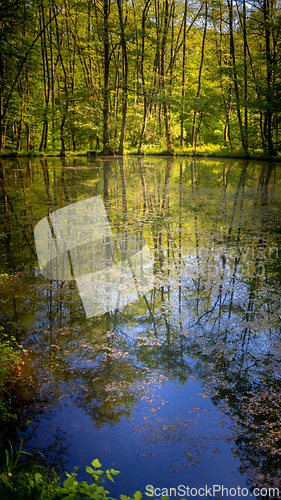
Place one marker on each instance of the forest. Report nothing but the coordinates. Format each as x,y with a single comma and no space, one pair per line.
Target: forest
140,76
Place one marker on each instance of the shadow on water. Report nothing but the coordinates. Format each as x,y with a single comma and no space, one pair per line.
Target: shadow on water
185,380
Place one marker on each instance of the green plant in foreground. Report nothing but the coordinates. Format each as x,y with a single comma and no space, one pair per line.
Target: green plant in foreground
28,480
74,489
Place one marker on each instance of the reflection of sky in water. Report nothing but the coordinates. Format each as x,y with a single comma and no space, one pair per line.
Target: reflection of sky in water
172,425
225,306
100,370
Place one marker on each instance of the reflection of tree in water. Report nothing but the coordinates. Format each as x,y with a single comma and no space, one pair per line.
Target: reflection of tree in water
96,371
29,393
245,382
231,335
214,313
229,320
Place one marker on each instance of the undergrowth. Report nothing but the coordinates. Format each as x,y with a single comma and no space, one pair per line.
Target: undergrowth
22,478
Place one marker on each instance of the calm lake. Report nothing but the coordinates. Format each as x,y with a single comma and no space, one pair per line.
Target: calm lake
172,379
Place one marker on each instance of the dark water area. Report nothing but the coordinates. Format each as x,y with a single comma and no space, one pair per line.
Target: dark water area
174,380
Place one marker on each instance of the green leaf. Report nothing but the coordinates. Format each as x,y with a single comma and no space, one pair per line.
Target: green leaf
137,495
99,489
90,470
37,477
69,482
109,476
96,463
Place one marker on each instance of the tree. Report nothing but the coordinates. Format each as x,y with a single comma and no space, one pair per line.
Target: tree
125,77
193,134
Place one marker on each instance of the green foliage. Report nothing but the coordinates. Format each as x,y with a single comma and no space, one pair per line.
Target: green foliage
9,358
83,489
3,276
28,480
53,95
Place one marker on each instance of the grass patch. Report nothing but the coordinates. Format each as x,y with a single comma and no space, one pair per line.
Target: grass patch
206,150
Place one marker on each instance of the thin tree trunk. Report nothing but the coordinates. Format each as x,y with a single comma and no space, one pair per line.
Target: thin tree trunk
72,67
125,79
193,134
106,5
46,77
226,100
245,45
183,74
21,116
116,94
53,79
1,97
235,79
27,125
268,113
65,107
145,104
163,76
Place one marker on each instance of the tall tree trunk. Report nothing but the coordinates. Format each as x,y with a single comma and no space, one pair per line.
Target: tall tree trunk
60,36
72,73
245,45
53,79
106,6
21,116
116,93
235,79
27,125
183,74
268,113
226,98
145,104
193,134
1,98
163,76
248,57
46,76
125,79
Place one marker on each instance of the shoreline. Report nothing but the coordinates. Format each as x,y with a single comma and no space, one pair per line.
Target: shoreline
193,154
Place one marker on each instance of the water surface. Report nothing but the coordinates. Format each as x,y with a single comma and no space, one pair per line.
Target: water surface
181,386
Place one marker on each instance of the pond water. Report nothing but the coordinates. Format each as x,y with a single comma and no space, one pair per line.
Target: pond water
174,380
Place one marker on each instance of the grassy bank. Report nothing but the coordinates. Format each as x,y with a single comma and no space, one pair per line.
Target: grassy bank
208,150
